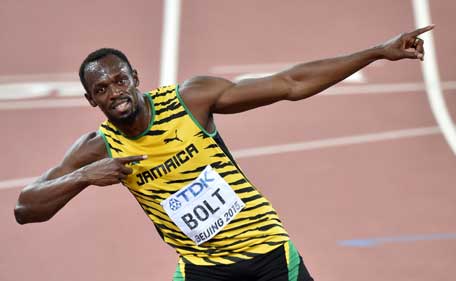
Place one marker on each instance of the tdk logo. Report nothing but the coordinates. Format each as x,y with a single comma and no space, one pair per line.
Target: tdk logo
174,204
196,187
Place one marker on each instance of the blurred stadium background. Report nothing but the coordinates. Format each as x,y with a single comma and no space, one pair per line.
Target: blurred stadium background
362,176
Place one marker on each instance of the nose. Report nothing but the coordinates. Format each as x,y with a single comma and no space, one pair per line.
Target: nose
115,91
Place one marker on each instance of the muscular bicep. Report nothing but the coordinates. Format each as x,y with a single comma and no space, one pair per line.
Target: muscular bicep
206,95
87,149
43,198
252,93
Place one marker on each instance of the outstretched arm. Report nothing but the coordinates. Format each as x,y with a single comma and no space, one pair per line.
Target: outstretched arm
214,95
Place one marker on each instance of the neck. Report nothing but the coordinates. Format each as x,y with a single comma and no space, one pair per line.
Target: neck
139,122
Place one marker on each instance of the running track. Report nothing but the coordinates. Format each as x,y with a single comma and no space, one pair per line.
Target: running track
370,161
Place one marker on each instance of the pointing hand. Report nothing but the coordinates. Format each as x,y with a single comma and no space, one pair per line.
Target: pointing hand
109,170
405,45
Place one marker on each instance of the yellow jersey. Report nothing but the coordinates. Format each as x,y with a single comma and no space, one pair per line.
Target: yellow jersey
178,150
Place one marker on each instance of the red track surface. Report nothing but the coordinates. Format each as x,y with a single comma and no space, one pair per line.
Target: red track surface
377,189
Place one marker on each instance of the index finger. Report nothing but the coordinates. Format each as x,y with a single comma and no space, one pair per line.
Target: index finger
128,159
422,30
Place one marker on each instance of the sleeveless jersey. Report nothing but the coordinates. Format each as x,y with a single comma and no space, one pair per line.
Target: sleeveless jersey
178,150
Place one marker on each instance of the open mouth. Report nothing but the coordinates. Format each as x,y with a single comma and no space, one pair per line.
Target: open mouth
122,105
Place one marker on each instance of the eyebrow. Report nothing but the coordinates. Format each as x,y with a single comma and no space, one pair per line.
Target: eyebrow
100,83
105,82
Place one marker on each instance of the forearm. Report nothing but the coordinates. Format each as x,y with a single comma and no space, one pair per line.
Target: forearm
308,79
41,200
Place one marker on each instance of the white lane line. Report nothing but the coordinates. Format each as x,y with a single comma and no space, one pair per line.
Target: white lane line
48,103
332,142
337,90
249,68
29,90
15,182
431,75
384,88
170,42
290,147
63,76
262,67
357,77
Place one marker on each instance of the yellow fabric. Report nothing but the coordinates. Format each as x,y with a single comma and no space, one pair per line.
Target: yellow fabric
182,268
287,252
178,149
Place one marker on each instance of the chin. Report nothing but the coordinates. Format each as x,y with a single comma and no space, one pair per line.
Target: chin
126,118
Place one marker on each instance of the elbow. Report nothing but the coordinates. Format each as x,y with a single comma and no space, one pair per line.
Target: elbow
20,215
26,211
24,215
295,95
292,88
303,90
21,210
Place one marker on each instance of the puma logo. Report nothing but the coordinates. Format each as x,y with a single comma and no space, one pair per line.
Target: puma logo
176,138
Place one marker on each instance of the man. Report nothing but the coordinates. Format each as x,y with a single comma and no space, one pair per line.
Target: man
165,148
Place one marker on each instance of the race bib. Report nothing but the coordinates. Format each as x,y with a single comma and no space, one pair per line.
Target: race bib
203,208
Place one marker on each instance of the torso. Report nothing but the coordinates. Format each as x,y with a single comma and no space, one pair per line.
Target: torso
179,148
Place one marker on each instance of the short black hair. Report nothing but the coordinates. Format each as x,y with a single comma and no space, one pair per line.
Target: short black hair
99,54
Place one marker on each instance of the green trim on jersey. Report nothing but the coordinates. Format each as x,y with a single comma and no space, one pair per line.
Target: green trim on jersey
178,275
193,117
105,142
293,263
178,150
151,121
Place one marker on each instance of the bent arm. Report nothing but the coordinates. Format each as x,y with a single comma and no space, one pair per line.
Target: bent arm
42,199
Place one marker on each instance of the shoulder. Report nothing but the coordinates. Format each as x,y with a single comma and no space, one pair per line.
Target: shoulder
89,148
201,90
204,84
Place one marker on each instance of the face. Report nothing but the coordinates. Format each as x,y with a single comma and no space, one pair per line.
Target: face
112,86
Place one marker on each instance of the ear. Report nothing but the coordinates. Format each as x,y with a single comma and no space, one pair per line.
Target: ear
90,100
135,77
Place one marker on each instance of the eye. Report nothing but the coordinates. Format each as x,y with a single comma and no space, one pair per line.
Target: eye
100,90
122,81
